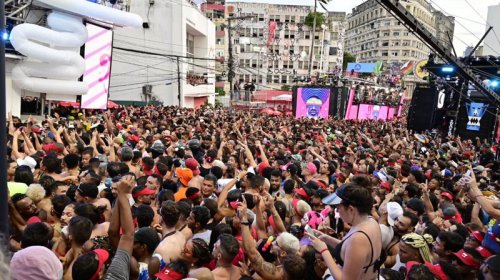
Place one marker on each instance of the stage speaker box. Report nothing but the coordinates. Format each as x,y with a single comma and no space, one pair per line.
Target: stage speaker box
422,109
477,117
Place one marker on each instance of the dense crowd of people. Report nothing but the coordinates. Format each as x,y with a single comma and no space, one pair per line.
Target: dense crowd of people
173,193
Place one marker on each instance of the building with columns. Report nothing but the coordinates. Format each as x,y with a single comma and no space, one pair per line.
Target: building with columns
375,35
272,49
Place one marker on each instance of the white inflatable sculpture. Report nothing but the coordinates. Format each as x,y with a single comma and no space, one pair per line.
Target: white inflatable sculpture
58,48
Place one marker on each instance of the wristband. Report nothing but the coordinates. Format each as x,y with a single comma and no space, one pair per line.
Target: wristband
245,223
322,251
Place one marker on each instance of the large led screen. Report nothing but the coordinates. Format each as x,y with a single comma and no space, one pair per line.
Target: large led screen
97,66
312,102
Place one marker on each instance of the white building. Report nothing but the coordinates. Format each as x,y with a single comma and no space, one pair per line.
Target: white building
171,28
375,35
279,61
491,42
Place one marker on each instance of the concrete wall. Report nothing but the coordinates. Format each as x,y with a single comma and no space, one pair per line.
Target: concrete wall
169,22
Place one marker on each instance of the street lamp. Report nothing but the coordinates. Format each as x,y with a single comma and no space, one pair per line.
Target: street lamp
324,27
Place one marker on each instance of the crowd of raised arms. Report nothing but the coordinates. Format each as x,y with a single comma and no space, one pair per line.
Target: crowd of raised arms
171,193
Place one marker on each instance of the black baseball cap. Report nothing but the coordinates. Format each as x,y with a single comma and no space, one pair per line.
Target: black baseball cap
88,190
148,236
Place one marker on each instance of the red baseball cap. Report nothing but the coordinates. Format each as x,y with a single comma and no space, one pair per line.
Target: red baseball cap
193,164
447,195
386,186
477,234
485,253
467,259
434,268
169,274
103,256
303,193
141,190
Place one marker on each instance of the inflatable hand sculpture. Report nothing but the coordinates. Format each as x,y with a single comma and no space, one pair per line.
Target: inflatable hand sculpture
58,62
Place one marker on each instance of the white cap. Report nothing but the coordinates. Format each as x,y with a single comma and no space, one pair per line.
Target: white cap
394,210
28,161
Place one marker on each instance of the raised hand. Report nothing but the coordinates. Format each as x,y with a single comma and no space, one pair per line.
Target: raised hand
126,184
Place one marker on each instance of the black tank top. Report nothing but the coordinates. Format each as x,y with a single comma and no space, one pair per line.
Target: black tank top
338,258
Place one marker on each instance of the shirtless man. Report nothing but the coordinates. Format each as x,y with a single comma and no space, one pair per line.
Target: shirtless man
127,154
87,193
173,241
225,249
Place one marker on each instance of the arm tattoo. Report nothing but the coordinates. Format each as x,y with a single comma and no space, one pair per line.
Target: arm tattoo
262,266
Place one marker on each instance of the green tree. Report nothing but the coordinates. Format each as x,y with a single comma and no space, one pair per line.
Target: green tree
220,91
286,87
348,58
320,19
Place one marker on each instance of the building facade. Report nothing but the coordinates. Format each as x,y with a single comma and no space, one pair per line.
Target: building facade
445,28
491,42
272,49
375,35
183,72
215,10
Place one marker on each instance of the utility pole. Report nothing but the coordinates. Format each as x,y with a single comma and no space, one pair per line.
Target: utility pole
312,40
179,96
230,63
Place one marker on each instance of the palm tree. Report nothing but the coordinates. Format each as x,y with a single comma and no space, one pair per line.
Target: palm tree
322,3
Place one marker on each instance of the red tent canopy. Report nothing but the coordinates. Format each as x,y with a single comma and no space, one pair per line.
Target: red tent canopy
111,104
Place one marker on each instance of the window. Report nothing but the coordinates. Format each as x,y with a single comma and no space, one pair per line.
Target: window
261,17
385,43
292,18
302,19
287,18
254,63
333,51
396,53
219,41
190,45
269,78
276,79
386,34
385,54
395,33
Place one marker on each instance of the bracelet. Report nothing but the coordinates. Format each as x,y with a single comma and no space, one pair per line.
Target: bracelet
245,223
322,251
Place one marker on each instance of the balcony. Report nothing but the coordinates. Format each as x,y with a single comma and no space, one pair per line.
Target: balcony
212,7
220,33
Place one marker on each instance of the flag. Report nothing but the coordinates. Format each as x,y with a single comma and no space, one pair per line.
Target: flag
272,30
407,68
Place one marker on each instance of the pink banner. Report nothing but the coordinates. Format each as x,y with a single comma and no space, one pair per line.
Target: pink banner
97,67
370,112
498,129
349,104
272,30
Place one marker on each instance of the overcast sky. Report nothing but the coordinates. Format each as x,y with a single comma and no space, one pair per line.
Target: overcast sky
465,16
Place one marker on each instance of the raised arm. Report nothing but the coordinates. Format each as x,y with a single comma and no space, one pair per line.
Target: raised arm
265,270
124,189
269,202
225,190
